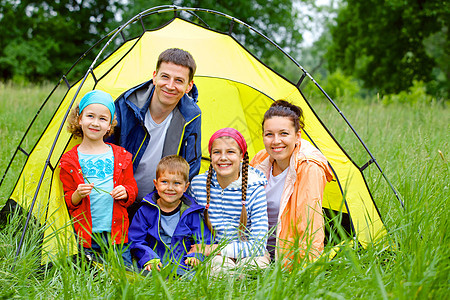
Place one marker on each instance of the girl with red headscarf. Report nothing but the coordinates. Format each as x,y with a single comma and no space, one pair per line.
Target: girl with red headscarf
235,201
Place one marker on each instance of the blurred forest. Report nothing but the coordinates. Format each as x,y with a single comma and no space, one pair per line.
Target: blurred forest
394,48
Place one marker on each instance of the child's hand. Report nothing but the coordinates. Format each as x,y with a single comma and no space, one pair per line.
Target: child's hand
82,191
192,261
204,249
155,265
119,193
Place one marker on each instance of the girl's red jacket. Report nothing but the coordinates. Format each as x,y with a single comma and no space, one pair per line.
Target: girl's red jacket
71,176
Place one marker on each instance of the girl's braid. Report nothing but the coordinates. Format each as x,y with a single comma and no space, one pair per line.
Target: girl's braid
208,198
243,218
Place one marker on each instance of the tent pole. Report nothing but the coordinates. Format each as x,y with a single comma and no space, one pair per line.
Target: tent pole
360,140
47,163
119,30
30,212
26,132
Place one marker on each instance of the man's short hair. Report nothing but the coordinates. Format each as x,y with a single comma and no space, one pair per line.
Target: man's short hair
179,57
173,164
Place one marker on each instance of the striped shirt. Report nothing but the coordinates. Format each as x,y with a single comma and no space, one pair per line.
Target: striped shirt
225,210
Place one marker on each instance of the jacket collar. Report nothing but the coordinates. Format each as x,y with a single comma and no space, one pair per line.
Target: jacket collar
304,151
141,96
72,156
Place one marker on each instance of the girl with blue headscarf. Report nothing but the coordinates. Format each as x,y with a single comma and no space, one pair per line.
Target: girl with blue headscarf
97,178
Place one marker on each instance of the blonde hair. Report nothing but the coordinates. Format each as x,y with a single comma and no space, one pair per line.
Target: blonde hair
74,127
173,164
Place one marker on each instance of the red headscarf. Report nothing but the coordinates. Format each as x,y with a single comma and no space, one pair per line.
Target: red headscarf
231,132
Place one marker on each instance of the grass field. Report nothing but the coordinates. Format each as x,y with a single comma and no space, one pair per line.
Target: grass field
411,144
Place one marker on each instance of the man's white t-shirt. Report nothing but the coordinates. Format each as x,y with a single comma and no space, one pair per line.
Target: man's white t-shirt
146,170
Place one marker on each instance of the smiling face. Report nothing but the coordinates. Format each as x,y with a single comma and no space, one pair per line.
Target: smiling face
170,187
226,157
279,139
95,121
171,83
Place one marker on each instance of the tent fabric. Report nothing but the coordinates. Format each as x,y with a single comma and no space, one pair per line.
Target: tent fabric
235,89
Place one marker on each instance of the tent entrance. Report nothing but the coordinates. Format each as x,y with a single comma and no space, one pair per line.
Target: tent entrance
236,88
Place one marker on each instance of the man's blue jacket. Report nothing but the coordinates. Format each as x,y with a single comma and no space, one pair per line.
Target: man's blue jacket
183,135
145,239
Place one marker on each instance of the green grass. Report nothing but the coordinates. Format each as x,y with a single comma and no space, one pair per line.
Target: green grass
406,141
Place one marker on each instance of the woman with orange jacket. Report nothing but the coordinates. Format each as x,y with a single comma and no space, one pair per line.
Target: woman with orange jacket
297,173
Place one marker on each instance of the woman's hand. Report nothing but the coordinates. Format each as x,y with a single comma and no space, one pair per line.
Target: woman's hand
203,249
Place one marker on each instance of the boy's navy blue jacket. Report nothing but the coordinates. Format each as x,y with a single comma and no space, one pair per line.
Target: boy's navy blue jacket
146,243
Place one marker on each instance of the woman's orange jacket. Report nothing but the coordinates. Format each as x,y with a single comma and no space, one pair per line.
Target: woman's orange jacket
300,229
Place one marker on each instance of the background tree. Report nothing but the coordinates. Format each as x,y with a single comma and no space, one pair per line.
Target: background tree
388,44
42,39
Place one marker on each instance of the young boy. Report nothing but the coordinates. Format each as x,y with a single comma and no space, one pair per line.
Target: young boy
169,221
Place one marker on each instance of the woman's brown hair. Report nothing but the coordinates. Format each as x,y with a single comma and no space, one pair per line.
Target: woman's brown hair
282,108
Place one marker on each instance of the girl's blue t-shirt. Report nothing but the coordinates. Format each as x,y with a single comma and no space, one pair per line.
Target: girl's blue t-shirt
99,169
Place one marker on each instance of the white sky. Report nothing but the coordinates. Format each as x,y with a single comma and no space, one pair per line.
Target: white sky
309,37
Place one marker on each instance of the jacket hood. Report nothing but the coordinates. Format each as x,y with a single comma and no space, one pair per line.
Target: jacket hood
310,153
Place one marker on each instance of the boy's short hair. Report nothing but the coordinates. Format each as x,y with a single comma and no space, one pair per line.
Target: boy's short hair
74,127
179,57
173,164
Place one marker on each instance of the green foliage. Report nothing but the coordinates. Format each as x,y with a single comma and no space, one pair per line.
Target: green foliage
341,87
417,93
41,40
384,42
20,102
437,45
18,60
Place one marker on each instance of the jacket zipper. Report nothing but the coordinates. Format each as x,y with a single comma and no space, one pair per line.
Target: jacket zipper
159,235
182,133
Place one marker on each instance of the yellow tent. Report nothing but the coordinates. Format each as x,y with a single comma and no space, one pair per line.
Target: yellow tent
235,89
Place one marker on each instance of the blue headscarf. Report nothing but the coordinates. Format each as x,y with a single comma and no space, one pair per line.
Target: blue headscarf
100,97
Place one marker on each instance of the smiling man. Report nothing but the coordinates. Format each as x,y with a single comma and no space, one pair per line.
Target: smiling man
160,117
